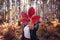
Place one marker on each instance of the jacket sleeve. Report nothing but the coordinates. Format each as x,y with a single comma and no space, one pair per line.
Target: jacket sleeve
36,26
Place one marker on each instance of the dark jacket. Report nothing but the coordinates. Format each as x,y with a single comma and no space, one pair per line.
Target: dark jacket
33,32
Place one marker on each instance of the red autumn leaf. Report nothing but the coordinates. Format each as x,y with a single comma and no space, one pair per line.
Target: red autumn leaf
23,14
35,19
24,20
31,12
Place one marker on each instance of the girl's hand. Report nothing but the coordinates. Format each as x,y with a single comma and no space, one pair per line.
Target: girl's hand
31,26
